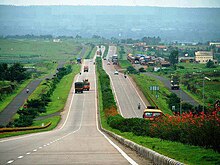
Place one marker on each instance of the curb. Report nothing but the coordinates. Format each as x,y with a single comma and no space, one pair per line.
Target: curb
145,152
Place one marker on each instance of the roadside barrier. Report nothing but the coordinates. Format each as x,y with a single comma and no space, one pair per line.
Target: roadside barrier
143,151
3,130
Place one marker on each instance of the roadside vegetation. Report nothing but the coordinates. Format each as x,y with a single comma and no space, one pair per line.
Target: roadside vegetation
152,134
34,107
54,121
91,51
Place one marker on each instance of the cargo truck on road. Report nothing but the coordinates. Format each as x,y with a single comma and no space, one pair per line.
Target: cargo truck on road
86,85
86,68
79,87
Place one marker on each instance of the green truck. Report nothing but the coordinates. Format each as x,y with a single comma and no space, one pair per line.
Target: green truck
79,87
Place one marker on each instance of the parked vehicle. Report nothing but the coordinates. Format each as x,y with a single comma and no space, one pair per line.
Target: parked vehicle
86,68
151,113
86,85
174,82
79,87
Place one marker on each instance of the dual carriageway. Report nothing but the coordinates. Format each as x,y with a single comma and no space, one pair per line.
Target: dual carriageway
78,138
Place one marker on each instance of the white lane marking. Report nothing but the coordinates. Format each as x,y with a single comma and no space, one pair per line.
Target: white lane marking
136,91
133,109
28,153
20,157
112,85
10,161
129,159
69,108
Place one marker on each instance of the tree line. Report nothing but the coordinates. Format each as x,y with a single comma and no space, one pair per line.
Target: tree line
15,72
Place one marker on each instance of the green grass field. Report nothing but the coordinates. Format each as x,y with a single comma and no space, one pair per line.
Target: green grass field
61,92
32,51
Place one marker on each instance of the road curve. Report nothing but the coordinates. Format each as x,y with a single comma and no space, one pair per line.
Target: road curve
126,94
77,141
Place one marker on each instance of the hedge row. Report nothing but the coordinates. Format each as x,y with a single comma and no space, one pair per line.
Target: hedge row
109,104
3,130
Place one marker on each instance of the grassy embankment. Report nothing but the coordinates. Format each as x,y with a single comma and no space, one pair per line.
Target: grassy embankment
89,54
34,53
178,151
193,74
58,100
10,97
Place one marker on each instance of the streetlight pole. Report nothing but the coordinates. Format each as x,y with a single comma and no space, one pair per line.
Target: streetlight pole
203,92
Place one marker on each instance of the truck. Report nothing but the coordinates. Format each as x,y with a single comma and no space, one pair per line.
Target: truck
79,60
115,59
174,82
86,68
86,86
79,87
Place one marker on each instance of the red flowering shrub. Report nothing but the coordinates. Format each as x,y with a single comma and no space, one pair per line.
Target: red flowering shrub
202,130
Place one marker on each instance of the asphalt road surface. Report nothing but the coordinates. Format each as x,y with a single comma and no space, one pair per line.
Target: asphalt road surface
126,95
77,140
12,108
17,102
180,93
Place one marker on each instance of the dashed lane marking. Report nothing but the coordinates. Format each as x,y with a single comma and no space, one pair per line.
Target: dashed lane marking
10,161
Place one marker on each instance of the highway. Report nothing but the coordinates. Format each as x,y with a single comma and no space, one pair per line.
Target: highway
126,94
77,140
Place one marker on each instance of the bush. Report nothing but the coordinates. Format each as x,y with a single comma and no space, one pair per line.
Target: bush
200,130
142,69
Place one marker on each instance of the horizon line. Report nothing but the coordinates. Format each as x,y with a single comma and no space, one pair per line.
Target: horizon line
190,7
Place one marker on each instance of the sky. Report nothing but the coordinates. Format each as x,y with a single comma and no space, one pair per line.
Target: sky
161,3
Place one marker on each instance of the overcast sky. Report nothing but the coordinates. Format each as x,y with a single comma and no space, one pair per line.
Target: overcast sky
163,3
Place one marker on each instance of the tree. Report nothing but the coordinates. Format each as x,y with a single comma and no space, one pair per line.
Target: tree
17,72
3,71
174,57
210,64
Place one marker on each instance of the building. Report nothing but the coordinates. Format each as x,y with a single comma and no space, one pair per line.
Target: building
186,59
203,56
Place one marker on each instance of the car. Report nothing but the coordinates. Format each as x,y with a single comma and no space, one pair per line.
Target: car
104,58
108,63
116,72
151,113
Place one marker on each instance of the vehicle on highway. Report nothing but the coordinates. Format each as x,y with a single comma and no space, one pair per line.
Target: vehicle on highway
116,72
79,60
151,113
174,82
108,63
79,87
86,68
86,86
115,59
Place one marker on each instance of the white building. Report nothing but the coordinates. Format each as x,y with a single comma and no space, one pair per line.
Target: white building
203,56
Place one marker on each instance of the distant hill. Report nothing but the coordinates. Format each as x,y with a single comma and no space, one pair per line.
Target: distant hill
180,24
